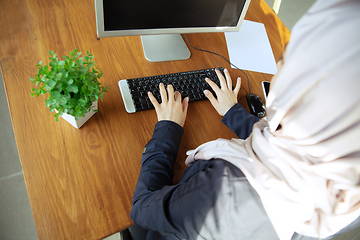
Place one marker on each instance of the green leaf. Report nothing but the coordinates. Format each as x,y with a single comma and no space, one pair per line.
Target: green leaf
43,78
46,70
58,86
82,102
72,88
56,94
59,76
84,89
47,102
62,101
73,102
67,95
51,83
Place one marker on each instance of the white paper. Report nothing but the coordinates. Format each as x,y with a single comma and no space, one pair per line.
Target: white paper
250,49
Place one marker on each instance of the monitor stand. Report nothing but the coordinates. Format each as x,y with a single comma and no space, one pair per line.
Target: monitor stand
168,47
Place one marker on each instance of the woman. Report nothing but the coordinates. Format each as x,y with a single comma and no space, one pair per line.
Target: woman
297,171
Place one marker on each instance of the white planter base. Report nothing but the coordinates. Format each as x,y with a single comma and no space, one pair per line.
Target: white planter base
77,124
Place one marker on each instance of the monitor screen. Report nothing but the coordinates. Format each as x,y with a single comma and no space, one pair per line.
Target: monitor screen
143,17
159,22
169,14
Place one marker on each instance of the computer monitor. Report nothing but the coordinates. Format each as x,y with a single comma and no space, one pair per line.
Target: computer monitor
160,22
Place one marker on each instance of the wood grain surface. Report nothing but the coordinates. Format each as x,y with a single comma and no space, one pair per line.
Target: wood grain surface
80,182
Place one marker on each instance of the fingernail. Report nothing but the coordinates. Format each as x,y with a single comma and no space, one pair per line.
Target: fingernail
225,70
206,92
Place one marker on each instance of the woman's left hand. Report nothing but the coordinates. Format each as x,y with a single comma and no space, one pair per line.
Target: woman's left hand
171,107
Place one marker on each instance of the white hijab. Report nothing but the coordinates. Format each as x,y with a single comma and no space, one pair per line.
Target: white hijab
307,173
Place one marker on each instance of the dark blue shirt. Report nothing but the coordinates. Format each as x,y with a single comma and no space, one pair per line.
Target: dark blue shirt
178,211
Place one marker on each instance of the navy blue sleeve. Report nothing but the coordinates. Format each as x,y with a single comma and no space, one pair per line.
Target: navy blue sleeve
173,210
161,151
239,121
179,210
155,179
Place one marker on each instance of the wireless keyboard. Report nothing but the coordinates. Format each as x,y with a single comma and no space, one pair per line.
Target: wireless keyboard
190,84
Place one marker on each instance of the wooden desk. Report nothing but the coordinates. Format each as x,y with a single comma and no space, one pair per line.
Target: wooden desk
80,182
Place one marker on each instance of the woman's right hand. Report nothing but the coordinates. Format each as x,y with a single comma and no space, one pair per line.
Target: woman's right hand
226,97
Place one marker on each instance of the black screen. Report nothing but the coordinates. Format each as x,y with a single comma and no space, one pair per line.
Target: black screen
154,14
266,87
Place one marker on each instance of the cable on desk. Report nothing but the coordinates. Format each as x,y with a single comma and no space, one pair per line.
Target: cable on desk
199,49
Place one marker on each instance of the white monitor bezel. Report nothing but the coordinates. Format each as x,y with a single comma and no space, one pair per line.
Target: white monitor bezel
102,33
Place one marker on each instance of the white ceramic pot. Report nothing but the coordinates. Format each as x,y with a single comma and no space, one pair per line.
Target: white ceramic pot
77,124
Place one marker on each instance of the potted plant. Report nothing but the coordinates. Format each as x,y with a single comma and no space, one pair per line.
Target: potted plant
72,84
